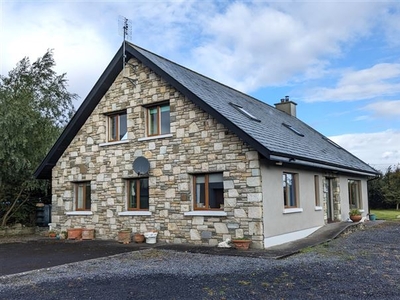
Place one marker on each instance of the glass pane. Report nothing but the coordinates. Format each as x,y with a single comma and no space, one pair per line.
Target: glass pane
144,193
79,203
88,196
153,121
132,194
200,192
113,128
165,120
122,127
215,177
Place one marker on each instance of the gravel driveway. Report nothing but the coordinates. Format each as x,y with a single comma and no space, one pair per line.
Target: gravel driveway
364,264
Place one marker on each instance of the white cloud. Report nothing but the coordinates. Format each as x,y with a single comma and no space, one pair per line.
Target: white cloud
379,149
386,109
251,46
378,81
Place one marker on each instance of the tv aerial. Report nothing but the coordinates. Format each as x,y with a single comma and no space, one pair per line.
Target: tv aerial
125,30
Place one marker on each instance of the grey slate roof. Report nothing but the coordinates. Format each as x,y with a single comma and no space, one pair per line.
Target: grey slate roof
267,135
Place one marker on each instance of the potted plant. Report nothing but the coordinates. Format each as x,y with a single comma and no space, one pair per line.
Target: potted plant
63,235
124,236
355,215
241,243
138,238
151,237
74,233
52,234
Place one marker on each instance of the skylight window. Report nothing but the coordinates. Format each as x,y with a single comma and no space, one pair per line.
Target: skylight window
245,112
332,142
293,129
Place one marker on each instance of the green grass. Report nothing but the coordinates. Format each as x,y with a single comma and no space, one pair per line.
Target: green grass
386,214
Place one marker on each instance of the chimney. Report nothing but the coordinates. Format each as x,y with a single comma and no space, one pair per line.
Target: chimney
287,106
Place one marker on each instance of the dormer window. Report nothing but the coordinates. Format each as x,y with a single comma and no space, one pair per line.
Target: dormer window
117,127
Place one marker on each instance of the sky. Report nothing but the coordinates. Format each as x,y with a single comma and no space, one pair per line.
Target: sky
339,61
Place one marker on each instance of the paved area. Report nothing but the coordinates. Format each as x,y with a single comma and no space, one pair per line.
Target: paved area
30,253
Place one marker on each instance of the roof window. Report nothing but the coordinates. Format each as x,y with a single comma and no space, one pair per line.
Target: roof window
293,129
331,142
244,112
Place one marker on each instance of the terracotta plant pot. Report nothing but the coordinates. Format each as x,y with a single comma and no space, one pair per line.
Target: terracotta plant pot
74,233
356,218
124,236
87,234
138,238
241,244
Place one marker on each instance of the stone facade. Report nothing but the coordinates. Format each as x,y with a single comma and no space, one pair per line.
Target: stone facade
198,143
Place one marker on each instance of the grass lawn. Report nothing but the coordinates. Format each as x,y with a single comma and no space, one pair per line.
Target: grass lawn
386,214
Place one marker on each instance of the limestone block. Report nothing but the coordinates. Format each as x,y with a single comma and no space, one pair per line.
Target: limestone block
185,208
241,166
240,213
194,235
206,234
213,242
228,184
255,212
255,228
252,155
198,220
230,202
164,213
239,233
218,146
170,193
110,213
253,181
254,197
221,228
233,193
172,226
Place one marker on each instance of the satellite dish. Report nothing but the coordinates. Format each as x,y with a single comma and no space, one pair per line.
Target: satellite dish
141,165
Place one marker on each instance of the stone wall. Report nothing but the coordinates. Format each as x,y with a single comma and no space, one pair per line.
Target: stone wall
198,143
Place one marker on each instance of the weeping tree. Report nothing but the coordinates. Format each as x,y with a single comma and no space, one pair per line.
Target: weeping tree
34,108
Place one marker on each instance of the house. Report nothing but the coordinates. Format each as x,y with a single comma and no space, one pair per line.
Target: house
156,146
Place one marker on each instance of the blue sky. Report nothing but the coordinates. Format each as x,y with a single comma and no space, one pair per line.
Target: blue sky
338,61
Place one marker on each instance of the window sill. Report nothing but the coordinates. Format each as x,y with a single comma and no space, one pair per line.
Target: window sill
134,213
318,208
292,210
206,213
155,137
114,143
79,213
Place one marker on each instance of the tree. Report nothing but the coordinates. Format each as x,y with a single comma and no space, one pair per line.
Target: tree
34,107
391,186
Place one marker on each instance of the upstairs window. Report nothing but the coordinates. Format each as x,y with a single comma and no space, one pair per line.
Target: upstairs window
117,127
290,190
208,191
158,120
82,196
138,194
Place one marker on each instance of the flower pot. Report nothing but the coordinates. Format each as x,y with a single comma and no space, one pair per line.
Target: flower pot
151,237
138,238
242,244
124,236
74,233
87,234
356,218
372,217
52,234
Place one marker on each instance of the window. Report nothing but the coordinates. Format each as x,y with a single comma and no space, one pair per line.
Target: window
82,196
208,191
316,190
354,193
293,129
158,120
244,112
290,190
117,127
138,194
